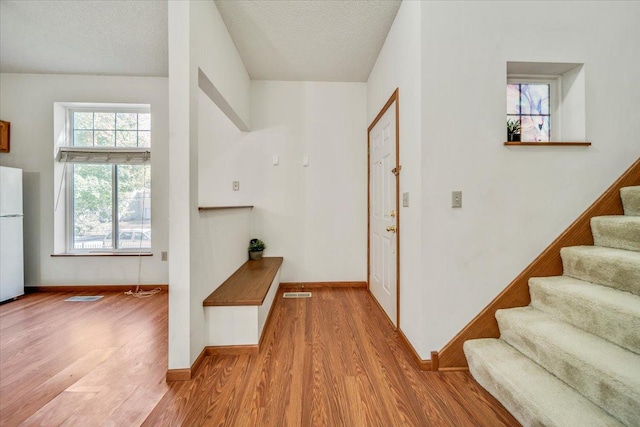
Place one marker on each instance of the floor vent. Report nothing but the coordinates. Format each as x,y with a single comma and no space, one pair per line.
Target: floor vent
84,299
297,295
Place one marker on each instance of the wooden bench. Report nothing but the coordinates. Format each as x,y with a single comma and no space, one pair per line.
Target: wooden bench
237,311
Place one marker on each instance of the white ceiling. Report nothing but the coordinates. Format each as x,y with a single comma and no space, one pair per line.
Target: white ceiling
321,40
84,37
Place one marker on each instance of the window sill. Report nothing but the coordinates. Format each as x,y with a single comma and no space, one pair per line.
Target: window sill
548,144
103,254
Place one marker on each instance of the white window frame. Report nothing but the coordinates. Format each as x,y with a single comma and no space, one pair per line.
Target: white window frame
555,91
69,177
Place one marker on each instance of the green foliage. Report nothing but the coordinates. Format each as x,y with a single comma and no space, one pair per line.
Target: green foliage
513,126
256,245
93,198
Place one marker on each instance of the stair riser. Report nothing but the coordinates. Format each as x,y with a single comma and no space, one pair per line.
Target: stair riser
619,274
620,399
600,319
631,200
612,234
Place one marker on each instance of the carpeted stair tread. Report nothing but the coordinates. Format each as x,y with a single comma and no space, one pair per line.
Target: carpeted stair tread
616,268
606,312
631,200
603,372
617,231
532,395
572,358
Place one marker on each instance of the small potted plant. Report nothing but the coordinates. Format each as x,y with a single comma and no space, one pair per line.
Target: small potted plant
256,246
513,130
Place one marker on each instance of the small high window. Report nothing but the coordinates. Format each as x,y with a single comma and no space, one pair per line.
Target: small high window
532,110
546,102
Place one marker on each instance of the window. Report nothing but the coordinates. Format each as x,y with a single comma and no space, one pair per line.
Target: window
547,100
110,128
532,105
108,182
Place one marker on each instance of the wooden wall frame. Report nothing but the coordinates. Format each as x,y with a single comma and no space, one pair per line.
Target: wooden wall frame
5,134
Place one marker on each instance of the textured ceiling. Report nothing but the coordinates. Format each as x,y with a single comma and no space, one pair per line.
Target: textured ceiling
323,40
84,37
320,40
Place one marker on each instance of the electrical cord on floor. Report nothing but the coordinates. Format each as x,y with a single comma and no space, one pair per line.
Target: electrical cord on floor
139,293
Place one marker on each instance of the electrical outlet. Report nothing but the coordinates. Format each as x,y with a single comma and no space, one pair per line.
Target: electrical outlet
456,199
405,200
163,255
236,185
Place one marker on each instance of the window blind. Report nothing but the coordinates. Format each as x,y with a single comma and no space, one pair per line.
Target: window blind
104,155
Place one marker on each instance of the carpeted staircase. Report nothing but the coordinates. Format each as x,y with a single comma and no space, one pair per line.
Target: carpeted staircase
572,357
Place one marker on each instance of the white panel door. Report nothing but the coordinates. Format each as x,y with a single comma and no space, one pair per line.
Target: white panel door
383,279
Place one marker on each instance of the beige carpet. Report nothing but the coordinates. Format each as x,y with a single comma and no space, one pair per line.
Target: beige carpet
572,358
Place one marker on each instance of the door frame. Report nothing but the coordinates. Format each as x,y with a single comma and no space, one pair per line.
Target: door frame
395,97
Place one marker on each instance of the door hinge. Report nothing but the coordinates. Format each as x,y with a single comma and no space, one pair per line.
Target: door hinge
396,170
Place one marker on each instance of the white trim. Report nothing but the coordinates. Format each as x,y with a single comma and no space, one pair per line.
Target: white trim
111,155
104,108
69,211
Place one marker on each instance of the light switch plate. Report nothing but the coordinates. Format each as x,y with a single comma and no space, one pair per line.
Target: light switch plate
456,199
236,185
276,160
405,200
163,256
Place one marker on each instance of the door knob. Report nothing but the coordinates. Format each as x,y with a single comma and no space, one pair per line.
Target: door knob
391,228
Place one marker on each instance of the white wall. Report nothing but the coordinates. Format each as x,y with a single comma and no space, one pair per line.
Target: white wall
315,216
398,66
27,102
219,239
214,52
224,156
180,112
515,200
221,249
208,246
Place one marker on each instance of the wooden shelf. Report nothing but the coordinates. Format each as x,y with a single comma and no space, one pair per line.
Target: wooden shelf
548,144
248,285
217,208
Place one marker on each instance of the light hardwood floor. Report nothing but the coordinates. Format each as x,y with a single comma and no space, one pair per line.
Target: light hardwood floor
82,363
330,360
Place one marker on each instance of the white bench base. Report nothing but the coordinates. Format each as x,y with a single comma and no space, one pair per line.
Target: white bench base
239,324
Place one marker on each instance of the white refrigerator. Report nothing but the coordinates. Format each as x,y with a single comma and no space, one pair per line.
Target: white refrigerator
11,252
